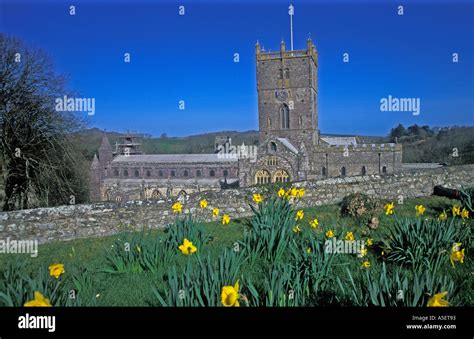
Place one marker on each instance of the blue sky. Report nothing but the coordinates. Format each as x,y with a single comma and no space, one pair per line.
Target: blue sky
190,58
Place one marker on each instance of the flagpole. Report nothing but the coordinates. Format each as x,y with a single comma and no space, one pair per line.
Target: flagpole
291,12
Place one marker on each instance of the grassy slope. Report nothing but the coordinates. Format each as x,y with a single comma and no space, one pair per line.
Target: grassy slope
134,289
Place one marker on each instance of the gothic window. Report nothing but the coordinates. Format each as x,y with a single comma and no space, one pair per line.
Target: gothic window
287,73
272,161
262,177
280,73
116,173
160,173
148,173
185,173
323,171
156,195
363,170
273,147
343,171
281,176
226,173
269,122
125,173
173,173
384,169
285,117
198,173
212,173
118,199
136,173
300,120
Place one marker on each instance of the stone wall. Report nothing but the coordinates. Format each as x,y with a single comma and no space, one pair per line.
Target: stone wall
81,221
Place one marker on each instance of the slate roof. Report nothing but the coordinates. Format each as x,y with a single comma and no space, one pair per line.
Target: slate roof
174,158
340,141
288,145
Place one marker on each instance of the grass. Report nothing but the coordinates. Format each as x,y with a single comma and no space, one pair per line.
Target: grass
135,289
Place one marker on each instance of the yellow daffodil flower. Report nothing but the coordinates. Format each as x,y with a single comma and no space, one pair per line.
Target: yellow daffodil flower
308,250
38,301
363,252
443,216
56,270
230,295
225,219
187,247
297,229
349,236
177,207
203,203
456,210
215,212
366,264
281,193
299,215
314,223
457,254
330,234
257,198
465,213
438,301
300,193
420,210
369,242
389,208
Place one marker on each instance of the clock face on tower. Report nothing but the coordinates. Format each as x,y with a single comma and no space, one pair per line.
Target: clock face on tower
281,95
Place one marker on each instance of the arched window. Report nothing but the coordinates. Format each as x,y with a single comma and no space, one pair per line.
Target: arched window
148,173
226,173
363,170
198,173
185,173
343,171
136,173
262,177
285,117
281,176
212,173
125,173
323,171
280,73
118,198
173,173
273,147
300,120
287,73
269,122
384,169
155,195
116,173
160,173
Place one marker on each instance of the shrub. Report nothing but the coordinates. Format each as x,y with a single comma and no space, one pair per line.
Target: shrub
359,206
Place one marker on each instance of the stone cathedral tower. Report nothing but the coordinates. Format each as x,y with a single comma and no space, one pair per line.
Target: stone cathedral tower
287,94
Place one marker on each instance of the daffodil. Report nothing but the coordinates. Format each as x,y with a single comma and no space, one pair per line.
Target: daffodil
389,208
215,212
281,193
203,203
177,207
464,213
308,250
438,301
457,254
187,247
300,193
443,216
363,252
225,219
299,215
349,236
456,210
294,192
297,229
314,223
230,295
38,301
330,234
257,198
366,264
369,242
420,209
56,270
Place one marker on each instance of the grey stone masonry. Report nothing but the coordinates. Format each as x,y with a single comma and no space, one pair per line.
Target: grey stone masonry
107,218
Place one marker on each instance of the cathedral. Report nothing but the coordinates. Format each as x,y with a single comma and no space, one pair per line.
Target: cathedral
290,147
